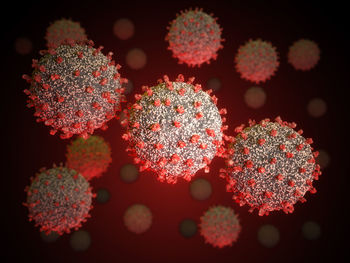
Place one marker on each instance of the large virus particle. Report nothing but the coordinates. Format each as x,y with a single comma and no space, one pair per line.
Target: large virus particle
138,218
90,157
256,61
58,199
220,226
175,129
270,166
194,37
304,54
75,89
64,31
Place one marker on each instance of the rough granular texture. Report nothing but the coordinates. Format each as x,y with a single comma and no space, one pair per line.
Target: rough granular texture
138,218
304,54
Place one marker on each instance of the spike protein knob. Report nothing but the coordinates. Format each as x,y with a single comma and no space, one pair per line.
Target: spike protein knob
270,166
175,129
75,89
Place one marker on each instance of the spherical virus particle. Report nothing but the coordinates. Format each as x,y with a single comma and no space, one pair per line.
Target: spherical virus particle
80,240
63,31
75,89
304,54
257,61
123,28
129,173
268,236
175,129
188,228
271,166
103,196
255,97
58,199
194,37
220,226
136,58
200,189
138,218
23,45
90,157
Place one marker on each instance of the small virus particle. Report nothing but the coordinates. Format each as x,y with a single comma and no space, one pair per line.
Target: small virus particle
75,89
194,37
123,28
323,159
138,218
129,173
175,129
270,166
317,107
80,240
188,228
311,230
200,189
257,61
58,199
255,97
220,226
214,84
23,45
49,238
90,157
136,58
64,31
102,196
268,236
304,54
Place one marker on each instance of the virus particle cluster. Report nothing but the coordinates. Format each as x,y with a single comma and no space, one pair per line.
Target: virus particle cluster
58,199
75,89
194,37
257,61
304,54
220,226
175,129
138,218
271,166
90,157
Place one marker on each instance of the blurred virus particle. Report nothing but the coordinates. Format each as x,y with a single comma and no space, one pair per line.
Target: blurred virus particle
129,173
102,196
316,107
304,54
75,89
194,37
220,226
136,58
257,61
128,87
49,238
188,228
138,218
23,45
323,159
214,84
311,230
90,157
268,236
255,97
175,129
200,189
270,166
123,28
80,240
64,31
58,199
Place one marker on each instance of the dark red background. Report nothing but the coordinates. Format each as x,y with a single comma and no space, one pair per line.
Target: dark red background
28,145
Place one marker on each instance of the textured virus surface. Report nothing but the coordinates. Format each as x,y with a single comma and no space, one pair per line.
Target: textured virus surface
271,166
75,89
64,31
220,226
194,37
90,157
257,61
175,129
304,54
138,218
58,199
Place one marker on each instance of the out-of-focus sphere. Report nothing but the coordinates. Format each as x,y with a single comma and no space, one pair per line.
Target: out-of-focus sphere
123,119
129,173
80,240
200,189
129,86
268,236
188,228
23,45
103,195
255,97
123,28
323,159
316,107
213,84
311,230
138,218
136,58
50,238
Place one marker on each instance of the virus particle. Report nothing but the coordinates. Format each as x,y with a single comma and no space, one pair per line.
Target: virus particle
257,61
188,228
214,84
175,129
270,166
23,45
58,199
123,28
129,173
102,196
138,218
304,54
194,37
75,89
90,157
255,97
316,107
311,230
323,159
49,238
220,226
268,236
136,58
200,189
80,240
64,31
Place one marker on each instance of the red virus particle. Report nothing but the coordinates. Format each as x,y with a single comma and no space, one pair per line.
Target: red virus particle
220,226
256,61
63,31
58,199
75,89
175,129
138,218
194,37
90,157
270,166
304,54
